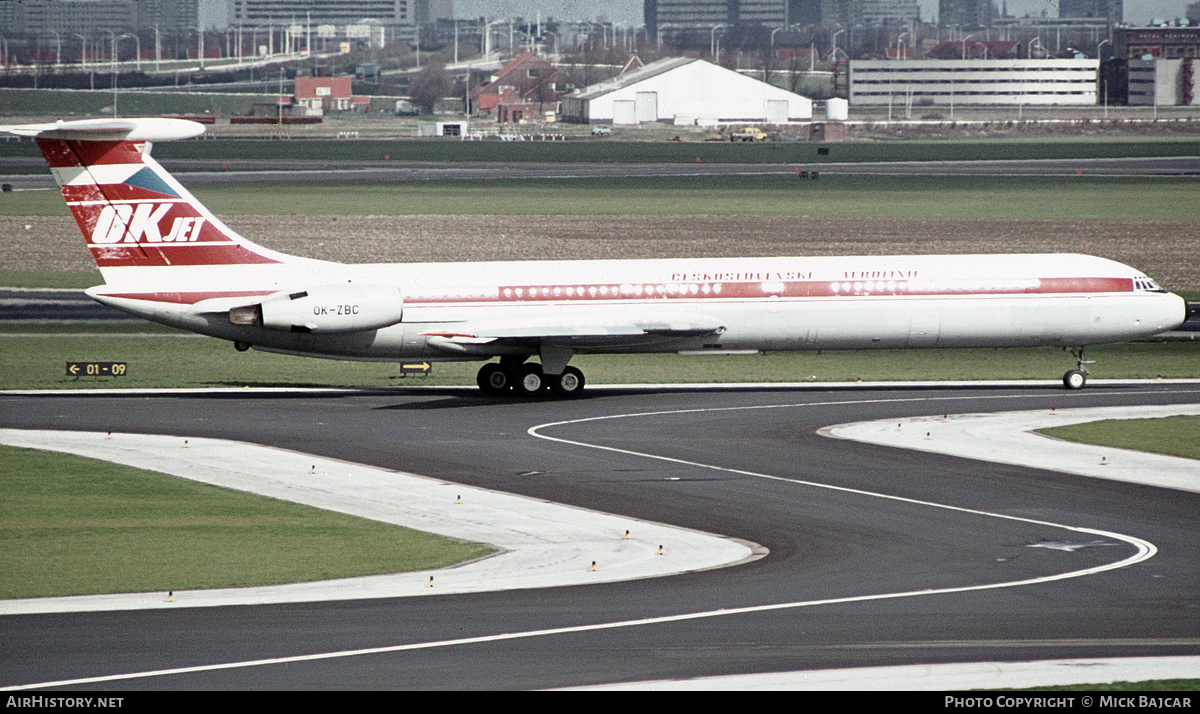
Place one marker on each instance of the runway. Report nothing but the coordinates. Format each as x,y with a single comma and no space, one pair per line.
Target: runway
199,172
848,526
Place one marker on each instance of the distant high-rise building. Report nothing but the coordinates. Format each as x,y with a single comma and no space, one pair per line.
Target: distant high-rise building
965,13
889,12
804,12
1111,10
870,12
337,12
706,14
168,15
38,17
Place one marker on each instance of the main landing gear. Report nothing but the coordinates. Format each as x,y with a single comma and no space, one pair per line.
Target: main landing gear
526,379
1076,378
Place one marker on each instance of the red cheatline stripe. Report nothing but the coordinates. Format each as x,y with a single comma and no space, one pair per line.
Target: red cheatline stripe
1064,287
189,298
117,192
174,254
813,289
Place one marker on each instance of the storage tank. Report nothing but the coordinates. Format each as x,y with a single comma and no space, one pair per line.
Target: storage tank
837,109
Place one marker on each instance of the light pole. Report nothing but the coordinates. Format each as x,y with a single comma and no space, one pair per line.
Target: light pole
487,36
112,45
662,27
712,41
137,40
200,45
57,49
833,52
964,45
900,37
82,57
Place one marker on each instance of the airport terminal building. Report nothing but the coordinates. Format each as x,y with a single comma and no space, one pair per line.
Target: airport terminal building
973,82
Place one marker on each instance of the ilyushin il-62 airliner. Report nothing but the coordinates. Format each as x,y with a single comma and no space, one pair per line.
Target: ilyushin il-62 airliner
166,258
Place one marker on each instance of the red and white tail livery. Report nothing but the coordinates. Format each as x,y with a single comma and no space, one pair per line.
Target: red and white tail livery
167,258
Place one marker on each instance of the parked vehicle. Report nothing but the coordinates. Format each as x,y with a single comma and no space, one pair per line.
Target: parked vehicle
748,134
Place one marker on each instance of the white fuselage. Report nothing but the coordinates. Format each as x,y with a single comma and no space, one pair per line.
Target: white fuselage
473,311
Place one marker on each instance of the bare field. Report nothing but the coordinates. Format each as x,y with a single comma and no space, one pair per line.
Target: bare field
1165,250
1159,248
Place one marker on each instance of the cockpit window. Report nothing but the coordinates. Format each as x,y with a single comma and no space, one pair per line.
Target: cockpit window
1146,285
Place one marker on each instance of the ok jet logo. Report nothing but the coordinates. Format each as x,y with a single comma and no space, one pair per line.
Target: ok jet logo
125,223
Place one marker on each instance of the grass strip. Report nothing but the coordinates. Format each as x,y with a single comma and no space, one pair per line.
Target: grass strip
1056,198
42,279
1174,436
173,359
71,525
655,150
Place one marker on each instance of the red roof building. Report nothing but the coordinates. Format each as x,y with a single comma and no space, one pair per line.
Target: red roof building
524,89
329,94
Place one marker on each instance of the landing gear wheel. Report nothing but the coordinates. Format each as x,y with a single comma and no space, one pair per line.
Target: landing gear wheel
530,380
1076,378
567,385
493,379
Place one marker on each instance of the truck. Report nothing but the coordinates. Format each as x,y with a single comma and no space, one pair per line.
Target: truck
748,134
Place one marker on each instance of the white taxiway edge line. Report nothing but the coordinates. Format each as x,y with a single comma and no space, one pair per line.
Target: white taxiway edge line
1008,438
955,678
541,544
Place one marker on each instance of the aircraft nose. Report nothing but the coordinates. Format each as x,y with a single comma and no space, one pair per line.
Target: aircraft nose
1175,312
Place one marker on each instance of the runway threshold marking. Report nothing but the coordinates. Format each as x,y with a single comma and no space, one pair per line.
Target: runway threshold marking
1144,551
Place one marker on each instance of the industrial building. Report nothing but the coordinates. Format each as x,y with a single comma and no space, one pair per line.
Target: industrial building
1156,42
973,82
1162,83
684,91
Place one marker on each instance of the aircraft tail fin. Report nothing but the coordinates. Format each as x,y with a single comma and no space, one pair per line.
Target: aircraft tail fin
132,212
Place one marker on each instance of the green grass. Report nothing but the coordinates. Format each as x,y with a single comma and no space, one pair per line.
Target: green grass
70,525
925,197
1052,198
618,150
78,104
1175,436
32,279
163,358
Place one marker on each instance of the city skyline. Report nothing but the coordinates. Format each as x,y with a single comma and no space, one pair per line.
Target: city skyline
1137,12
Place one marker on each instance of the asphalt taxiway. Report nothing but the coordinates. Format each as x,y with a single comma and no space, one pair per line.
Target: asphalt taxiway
877,556
198,172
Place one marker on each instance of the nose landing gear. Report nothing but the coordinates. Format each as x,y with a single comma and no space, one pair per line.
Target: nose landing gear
1076,378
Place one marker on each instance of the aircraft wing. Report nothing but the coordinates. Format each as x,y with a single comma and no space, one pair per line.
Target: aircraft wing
475,336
